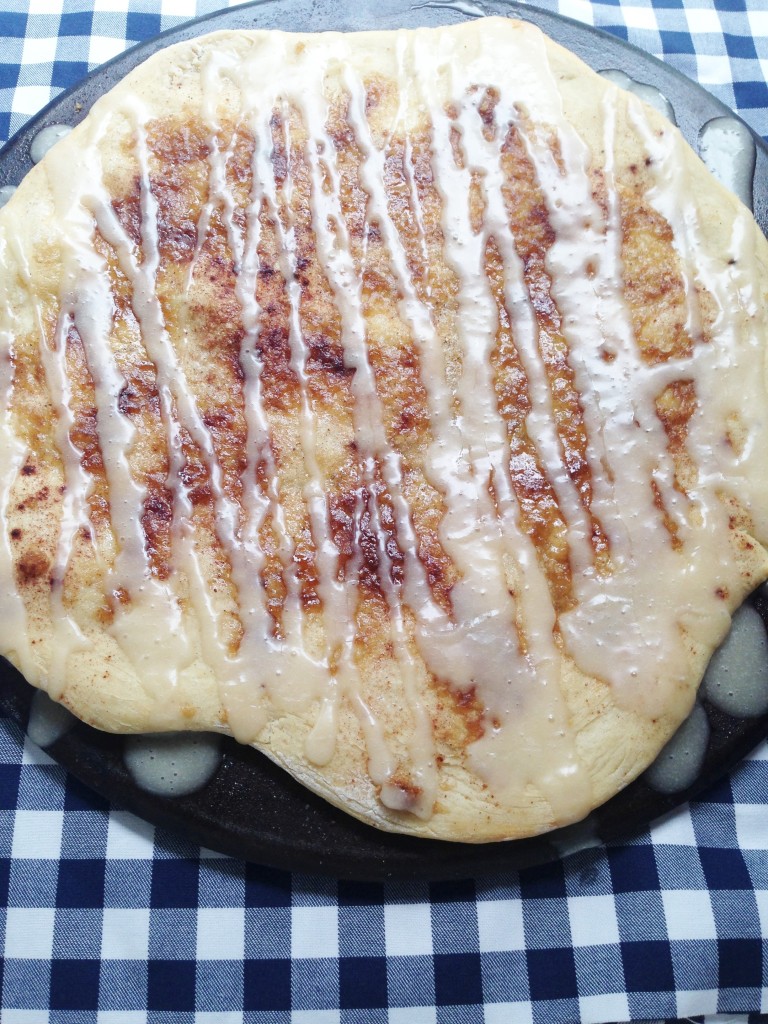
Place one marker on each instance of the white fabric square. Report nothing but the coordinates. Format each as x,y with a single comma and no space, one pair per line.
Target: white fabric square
675,830
761,898
509,1013
37,835
639,17
688,914
500,925
314,932
25,1017
593,920
758,24
39,51
608,1006
712,70
129,838
314,1017
32,754
696,1003
214,1017
407,929
119,1017
751,826
29,99
221,933
103,48
29,933
703,20
412,1015
46,6
125,934
579,10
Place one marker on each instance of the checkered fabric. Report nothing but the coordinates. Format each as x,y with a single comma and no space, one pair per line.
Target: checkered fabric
107,919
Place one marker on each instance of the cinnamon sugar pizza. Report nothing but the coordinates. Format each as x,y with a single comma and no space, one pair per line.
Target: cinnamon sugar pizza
395,402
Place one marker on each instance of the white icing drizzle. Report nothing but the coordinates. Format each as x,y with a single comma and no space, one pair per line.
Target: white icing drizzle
48,720
85,294
13,617
648,93
45,139
678,765
736,679
502,641
505,685
727,147
172,764
6,192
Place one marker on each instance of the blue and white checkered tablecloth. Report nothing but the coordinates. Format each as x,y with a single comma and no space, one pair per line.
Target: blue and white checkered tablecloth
107,919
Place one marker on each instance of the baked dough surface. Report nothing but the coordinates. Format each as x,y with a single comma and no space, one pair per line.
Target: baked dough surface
392,401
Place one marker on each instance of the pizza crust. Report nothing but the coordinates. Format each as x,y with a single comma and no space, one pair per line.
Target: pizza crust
167,125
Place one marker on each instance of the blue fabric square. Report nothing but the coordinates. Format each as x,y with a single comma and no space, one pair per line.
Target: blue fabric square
450,918
221,883
267,985
551,973
78,797
679,867
633,868
66,73
175,883
458,979
32,883
84,836
266,887
219,985
267,933
81,883
751,94
361,931
741,963
461,1014
13,24
41,787
452,892
735,913
123,985
599,969
587,873
694,963
171,985
127,883
677,42
173,934
77,934
659,1005
315,983
562,1010
74,984
9,773
5,876
547,880
546,924
647,966
724,869
362,982
76,23
26,984
360,894
505,977
410,981
740,46
140,25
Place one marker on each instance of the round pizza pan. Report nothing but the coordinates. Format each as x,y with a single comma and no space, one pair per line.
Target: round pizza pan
250,808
